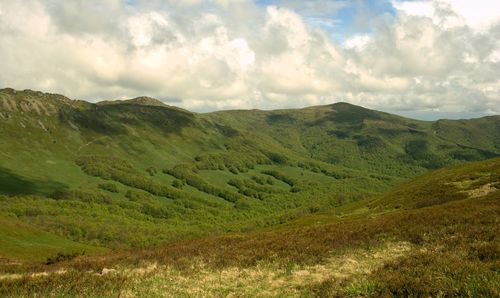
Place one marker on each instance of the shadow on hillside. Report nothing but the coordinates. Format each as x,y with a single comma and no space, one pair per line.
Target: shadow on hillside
13,184
112,119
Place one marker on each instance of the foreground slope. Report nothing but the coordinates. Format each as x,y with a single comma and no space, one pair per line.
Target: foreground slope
449,247
138,172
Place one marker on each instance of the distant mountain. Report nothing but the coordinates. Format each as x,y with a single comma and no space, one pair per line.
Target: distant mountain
359,138
137,172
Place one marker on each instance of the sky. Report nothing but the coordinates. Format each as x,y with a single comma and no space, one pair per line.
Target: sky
422,59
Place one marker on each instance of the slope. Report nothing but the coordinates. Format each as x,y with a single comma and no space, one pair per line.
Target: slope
447,248
19,241
138,172
360,138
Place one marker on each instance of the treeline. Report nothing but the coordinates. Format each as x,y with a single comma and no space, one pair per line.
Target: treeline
83,196
280,176
111,187
140,201
251,189
316,168
188,175
95,218
149,206
241,156
235,162
110,168
263,180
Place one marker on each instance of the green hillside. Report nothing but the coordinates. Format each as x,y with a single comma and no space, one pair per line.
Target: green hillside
445,247
138,172
473,181
19,241
355,137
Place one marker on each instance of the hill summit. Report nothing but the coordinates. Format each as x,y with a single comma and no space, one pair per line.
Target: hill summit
142,100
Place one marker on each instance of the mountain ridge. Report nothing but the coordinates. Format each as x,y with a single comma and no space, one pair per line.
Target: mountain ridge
150,101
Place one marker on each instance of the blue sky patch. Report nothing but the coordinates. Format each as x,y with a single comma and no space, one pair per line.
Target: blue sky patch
342,19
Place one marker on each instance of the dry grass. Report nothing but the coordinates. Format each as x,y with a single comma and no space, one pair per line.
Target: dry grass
482,191
262,280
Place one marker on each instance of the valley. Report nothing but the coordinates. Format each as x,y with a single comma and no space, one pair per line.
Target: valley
254,202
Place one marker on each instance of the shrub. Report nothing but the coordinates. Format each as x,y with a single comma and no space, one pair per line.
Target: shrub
259,180
279,176
241,205
178,184
138,196
111,187
155,211
151,171
60,195
61,257
119,170
249,188
186,173
277,158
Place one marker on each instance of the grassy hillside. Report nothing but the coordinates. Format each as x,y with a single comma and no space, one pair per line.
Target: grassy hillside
446,247
449,184
19,241
137,172
343,134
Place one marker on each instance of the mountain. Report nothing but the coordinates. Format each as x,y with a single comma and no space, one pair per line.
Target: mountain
138,172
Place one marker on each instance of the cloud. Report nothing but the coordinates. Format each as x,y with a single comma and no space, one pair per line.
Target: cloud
357,42
431,55
445,65
416,8
479,14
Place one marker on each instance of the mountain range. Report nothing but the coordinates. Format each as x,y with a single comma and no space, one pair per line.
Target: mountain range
138,198
138,172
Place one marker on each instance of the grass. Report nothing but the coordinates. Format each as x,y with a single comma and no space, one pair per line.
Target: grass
21,241
13,184
443,185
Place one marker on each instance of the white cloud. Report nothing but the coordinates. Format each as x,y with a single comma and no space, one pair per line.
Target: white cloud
447,67
233,54
357,42
479,14
415,8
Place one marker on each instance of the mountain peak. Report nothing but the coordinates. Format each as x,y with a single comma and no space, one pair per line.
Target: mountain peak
29,101
141,100
147,101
